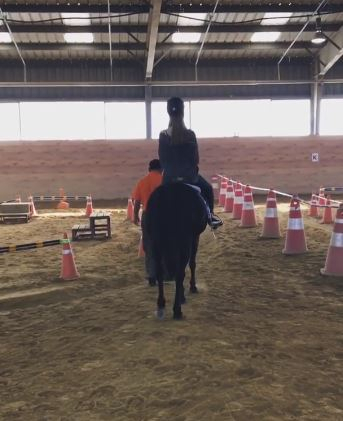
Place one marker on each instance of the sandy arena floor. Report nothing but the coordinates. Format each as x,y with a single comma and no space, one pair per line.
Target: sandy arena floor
262,340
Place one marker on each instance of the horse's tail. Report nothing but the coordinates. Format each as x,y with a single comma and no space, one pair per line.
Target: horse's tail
170,262
172,213
173,253
166,243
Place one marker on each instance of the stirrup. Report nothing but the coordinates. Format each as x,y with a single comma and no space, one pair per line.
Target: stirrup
215,221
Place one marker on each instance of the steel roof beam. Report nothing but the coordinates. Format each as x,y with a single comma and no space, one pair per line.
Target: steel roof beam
331,53
159,47
152,34
142,29
245,82
167,8
5,23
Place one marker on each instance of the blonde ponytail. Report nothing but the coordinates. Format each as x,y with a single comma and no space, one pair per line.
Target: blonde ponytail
177,130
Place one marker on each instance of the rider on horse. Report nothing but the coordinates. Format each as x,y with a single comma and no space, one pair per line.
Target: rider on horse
179,157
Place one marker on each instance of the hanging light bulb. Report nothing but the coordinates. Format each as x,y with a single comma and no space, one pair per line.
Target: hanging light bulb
319,37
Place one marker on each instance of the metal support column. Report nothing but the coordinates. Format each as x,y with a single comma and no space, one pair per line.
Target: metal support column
314,90
313,104
316,95
148,120
110,38
318,105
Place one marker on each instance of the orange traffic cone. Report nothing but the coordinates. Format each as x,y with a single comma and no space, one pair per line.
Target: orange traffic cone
238,203
222,192
69,270
327,215
321,200
334,258
129,211
295,236
63,204
313,209
140,248
89,206
248,218
271,228
228,205
32,206
215,184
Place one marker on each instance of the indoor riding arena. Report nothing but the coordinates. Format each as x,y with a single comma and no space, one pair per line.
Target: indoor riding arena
92,93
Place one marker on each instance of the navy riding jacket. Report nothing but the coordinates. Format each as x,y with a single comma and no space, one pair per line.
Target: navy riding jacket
180,161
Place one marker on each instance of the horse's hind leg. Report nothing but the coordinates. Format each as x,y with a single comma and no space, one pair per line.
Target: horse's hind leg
161,302
179,294
183,298
192,265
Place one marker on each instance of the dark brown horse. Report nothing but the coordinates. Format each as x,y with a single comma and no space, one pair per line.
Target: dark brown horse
176,216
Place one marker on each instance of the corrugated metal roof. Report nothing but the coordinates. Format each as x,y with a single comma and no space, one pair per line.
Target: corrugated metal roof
228,54
73,54
165,19
164,69
249,2
246,37
96,18
34,17
177,2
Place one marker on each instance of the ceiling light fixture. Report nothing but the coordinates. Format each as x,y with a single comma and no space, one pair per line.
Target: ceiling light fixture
79,38
5,37
190,19
319,37
186,37
265,36
276,18
76,19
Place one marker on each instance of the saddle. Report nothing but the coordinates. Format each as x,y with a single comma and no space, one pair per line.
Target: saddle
213,220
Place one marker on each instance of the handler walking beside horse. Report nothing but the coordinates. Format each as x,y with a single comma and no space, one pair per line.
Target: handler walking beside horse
141,195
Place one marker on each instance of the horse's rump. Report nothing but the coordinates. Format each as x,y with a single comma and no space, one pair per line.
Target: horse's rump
175,215
176,208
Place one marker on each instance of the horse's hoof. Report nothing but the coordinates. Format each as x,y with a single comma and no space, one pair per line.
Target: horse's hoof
178,316
160,313
193,290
